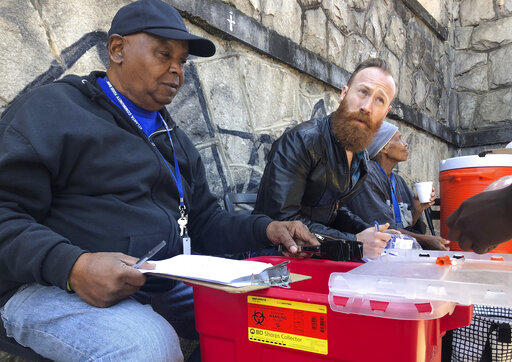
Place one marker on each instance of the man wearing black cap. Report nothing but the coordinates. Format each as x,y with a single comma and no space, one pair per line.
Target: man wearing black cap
93,174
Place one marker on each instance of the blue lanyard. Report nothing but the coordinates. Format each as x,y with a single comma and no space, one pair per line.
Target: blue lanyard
177,178
396,208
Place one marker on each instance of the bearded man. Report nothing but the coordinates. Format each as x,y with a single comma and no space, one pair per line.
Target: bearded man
316,165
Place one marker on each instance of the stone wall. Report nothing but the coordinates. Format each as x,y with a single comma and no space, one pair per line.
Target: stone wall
347,32
236,103
483,63
246,102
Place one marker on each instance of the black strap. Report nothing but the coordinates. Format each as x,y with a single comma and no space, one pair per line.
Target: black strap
447,347
428,217
504,336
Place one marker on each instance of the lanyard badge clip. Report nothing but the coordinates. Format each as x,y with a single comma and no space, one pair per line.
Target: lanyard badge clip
182,222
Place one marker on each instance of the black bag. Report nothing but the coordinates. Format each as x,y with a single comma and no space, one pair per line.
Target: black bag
486,339
339,249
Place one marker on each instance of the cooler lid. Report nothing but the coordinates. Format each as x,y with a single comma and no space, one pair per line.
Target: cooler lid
489,160
464,278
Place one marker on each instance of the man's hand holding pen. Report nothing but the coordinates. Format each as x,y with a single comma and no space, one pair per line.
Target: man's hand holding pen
103,279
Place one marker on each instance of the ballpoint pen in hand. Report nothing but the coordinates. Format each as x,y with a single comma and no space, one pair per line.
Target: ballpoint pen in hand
377,229
149,254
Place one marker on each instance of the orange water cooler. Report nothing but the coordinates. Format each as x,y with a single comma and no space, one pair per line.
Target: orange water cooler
463,177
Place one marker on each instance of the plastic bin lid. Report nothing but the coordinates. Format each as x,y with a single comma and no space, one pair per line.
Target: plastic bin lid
489,160
465,278
390,307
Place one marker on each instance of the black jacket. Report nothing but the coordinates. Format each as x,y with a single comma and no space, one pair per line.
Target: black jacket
373,201
76,175
307,178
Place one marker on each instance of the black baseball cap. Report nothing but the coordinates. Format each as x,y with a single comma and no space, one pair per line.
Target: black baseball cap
161,19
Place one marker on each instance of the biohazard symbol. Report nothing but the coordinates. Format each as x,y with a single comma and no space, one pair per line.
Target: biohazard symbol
258,318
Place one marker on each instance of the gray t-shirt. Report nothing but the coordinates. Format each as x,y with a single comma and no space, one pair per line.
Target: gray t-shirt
372,202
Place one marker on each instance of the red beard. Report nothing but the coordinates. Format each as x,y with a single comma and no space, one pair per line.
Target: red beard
353,135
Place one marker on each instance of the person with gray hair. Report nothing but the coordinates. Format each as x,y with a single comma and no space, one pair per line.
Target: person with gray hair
385,196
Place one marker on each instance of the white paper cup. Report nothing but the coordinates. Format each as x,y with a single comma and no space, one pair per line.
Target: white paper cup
423,189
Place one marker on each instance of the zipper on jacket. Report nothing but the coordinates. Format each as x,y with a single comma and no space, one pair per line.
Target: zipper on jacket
158,131
151,145
356,187
338,202
117,112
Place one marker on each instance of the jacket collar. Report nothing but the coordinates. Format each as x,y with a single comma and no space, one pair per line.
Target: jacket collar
90,87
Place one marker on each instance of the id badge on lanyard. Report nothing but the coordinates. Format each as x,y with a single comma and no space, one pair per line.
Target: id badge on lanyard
183,219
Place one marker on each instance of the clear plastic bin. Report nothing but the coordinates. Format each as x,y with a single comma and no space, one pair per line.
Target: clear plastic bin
465,278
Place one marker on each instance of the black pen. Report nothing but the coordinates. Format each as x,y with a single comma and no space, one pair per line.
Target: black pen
149,254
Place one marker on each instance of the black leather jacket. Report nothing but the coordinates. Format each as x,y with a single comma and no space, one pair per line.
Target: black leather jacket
307,178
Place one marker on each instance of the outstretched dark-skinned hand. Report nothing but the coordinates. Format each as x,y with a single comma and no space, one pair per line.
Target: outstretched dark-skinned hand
482,221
